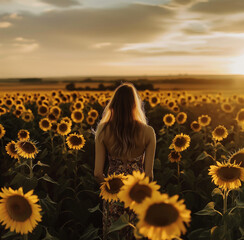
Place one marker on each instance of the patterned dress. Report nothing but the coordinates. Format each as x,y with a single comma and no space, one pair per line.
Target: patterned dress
112,211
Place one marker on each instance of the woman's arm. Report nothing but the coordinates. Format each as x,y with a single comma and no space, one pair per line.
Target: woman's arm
100,153
150,152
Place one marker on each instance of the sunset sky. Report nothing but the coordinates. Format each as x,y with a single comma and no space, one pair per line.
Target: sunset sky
48,38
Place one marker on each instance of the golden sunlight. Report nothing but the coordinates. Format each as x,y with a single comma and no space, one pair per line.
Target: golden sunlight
237,65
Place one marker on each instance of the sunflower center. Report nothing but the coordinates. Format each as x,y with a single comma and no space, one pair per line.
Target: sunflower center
238,158
154,100
27,147
139,192
204,119
78,115
23,134
180,117
228,174
63,127
45,123
75,140
227,107
115,185
219,131
195,125
93,114
169,119
12,148
18,208
175,155
180,142
43,109
161,214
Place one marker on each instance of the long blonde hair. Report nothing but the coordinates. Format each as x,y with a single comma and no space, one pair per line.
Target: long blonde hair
123,115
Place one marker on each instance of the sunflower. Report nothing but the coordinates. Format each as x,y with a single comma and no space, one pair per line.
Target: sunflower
219,133
227,175
153,100
176,109
180,142
45,124
78,105
2,131
136,189
63,128
26,149
55,110
90,120
2,111
27,116
10,149
163,217
195,126
111,187
227,107
43,110
204,120
240,116
9,102
171,104
77,116
67,120
169,119
75,141
23,135
174,156
181,118
237,157
93,113
18,211
17,113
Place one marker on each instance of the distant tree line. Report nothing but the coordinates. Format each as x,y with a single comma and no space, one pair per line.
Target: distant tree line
111,87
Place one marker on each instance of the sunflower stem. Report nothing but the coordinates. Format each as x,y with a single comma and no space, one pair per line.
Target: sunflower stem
31,168
225,196
51,137
65,149
178,174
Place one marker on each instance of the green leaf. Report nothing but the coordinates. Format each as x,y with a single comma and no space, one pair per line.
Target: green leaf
48,179
208,210
94,209
43,154
122,222
200,234
90,233
216,191
8,234
202,156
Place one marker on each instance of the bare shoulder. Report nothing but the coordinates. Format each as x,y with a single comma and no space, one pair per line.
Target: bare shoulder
149,130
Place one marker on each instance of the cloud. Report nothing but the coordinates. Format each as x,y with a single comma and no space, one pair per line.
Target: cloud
61,3
219,7
228,26
78,28
5,24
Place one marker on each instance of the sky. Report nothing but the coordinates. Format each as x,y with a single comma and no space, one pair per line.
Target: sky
52,38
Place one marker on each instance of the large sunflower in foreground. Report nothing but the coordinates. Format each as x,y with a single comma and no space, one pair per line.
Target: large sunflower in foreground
75,141
2,131
227,175
136,188
180,142
219,133
162,217
18,211
111,186
11,151
237,157
26,149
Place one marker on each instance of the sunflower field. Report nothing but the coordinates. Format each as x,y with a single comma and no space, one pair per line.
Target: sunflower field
47,155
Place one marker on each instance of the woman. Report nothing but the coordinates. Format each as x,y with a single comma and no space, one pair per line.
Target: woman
124,136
